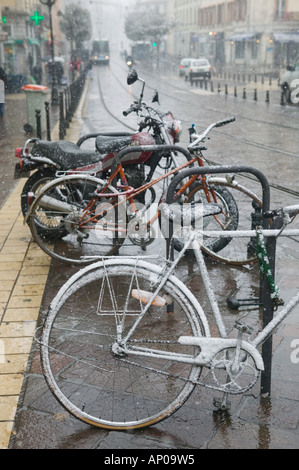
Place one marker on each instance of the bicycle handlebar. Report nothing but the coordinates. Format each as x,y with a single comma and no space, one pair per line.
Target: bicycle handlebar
200,137
134,107
225,121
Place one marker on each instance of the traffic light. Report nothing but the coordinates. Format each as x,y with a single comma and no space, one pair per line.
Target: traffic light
154,44
4,19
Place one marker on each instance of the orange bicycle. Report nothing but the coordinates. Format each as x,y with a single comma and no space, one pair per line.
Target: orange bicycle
88,218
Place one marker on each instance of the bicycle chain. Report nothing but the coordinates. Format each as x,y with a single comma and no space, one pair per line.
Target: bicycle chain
195,382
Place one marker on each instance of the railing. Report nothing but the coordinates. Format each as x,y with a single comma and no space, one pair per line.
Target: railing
68,103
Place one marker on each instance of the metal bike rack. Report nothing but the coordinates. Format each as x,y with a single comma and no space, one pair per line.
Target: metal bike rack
265,296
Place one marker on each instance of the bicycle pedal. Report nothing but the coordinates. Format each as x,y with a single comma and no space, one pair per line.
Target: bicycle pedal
222,405
243,328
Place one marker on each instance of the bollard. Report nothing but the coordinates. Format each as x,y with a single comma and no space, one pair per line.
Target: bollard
270,81
255,95
226,92
282,102
47,107
62,131
38,123
212,87
235,91
267,97
244,93
219,90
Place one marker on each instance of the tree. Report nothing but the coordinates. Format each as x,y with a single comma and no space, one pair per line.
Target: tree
76,25
147,24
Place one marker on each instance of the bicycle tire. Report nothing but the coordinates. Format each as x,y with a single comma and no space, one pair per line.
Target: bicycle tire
238,203
34,184
77,234
80,360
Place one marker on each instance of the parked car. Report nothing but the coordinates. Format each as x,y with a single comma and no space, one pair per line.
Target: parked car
184,66
289,83
199,69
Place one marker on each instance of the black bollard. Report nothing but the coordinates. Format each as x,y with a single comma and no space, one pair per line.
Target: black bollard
62,130
38,123
267,96
235,92
47,108
244,93
282,102
212,87
255,95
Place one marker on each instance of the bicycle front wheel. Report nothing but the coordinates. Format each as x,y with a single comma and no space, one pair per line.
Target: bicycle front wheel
108,357
79,225
238,206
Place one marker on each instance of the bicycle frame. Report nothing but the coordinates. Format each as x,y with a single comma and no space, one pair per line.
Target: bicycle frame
129,194
209,346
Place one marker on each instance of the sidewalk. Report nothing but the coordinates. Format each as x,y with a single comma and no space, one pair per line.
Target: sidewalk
252,423
23,275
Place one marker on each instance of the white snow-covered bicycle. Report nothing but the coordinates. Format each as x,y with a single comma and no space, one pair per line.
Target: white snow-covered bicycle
125,341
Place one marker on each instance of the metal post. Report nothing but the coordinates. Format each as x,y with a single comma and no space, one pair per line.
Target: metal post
38,123
268,310
54,96
61,117
47,106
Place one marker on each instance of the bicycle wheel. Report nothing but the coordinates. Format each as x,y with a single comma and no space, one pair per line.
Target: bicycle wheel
238,204
34,184
110,362
82,224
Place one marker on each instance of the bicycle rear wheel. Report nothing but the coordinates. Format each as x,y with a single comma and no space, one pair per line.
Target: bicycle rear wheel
238,204
97,370
79,225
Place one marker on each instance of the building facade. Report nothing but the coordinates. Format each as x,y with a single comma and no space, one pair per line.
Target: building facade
25,35
245,33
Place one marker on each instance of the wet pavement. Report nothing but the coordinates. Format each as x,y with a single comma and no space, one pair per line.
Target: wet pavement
253,422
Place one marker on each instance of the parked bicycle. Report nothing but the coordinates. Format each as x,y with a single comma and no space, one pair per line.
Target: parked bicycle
116,357
78,219
48,158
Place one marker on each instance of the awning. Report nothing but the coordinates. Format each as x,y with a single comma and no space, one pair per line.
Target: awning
241,37
287,37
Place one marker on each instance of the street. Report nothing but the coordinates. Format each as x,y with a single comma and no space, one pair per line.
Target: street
264,136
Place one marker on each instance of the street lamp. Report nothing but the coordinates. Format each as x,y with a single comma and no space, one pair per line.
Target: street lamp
49,4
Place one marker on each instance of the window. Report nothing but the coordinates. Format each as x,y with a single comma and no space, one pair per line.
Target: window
240,50
280,9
